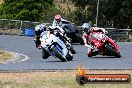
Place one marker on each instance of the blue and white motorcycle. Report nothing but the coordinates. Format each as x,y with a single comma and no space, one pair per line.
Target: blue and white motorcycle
53,46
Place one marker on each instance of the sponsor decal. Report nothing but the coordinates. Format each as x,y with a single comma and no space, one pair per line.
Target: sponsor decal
83,78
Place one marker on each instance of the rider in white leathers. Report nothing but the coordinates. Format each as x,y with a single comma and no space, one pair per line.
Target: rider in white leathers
59,32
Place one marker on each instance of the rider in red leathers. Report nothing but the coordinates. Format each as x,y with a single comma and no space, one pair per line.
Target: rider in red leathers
87,29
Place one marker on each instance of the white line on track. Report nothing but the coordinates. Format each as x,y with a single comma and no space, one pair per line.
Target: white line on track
17,57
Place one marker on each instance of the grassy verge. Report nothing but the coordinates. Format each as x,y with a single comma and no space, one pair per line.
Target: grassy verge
10,32
4,56
65,79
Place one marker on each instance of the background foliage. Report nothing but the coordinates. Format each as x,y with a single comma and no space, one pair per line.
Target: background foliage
32,10
112,13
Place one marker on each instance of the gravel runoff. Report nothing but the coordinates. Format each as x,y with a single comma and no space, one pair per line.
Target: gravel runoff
17,57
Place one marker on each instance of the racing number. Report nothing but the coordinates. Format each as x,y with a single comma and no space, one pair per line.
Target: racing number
103,38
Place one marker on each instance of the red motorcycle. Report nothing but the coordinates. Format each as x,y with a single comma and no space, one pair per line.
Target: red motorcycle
105,45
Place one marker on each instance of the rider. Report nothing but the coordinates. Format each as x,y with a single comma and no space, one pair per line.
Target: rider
87,29
59,32
58,21
38,31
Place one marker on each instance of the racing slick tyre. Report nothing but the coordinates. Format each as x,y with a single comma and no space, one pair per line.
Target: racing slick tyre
89,54
61,57
72,50
69,56
58,54
81,42
80,39
118,55
45,54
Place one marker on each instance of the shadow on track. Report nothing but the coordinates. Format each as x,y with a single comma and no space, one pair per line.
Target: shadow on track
60,61
76,44
103,57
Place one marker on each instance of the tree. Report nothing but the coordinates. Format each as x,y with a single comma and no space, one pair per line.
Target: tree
116,13
85,11
31,10
112,13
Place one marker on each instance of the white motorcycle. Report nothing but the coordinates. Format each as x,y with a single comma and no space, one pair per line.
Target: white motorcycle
55,47
59,32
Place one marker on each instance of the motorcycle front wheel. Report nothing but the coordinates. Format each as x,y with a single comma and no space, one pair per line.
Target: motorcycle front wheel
69,56
61,57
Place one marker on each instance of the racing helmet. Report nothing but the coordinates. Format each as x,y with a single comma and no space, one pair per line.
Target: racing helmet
86,27
37,28
40,27
57,18
43,27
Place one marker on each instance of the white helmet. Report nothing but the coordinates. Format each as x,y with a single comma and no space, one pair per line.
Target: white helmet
86,27
40,27
43,27
37,28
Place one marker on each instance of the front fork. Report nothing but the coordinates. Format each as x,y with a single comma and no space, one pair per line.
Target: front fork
62,44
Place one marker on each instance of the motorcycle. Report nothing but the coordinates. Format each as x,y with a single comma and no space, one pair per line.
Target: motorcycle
55,47
105,45
72,32
65,39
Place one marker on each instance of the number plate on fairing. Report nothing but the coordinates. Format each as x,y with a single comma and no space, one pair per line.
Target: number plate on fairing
103,36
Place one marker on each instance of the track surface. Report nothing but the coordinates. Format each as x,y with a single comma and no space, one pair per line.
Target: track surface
25,45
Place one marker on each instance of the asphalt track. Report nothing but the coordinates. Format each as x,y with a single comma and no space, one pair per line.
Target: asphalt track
25,45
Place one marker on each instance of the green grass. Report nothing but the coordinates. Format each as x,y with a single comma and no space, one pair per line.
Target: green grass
4,56
10,32
43,83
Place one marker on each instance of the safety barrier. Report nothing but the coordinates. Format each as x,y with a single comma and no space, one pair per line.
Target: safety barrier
18,27
121,35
